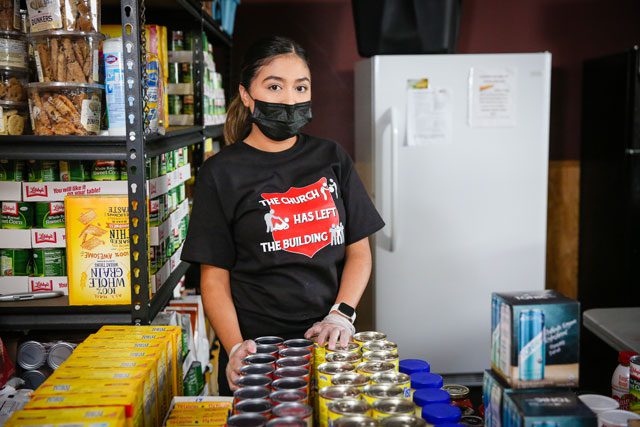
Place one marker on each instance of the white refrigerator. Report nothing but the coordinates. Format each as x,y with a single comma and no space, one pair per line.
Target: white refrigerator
454,151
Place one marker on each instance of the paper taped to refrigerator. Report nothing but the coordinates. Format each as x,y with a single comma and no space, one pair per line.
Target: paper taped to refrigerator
429,114
492,97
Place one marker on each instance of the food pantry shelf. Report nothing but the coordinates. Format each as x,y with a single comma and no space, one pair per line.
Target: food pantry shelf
56,313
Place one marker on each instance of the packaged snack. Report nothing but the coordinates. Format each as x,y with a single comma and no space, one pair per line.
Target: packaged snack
10,15
13,84
70,15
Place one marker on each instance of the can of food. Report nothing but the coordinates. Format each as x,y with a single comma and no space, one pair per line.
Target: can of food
267,349
254,381
49,262
295,352
381,356
188,41
289,396
247,420
634,384
177,40
58,353
162,253
246,393
35,377
258,369
74,170
299,343
293,372
472,420
124,173
395,378
43,170
170,163
354,358
371,368
347,408
154,167
162,164
277,341
351,347
187,104
290,384
388,407
459,395
180,155
11,170
155,218
15,262
403,421
185,73
105,170
351,378
260,359
254,406
355,421
380,345
294,409
175,104
332,394
466,411
32,355
174,74
153,258
326,371
364,337
374,392
17,215
291,362
286,422
49,214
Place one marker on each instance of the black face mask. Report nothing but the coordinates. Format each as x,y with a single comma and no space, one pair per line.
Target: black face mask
280,121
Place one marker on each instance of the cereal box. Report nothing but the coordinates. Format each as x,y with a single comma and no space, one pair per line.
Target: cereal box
108,416
98,250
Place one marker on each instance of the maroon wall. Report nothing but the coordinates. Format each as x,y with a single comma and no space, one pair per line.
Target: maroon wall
572,30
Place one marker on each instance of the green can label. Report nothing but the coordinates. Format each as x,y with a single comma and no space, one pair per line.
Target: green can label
182,192
154,167
162,168
49,215
155,216
49,262
75,170
171,165
153,259
43,171
124,173
12,170
105,170
17,215
175,104
15,262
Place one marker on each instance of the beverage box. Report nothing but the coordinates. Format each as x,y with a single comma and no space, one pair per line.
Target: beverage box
81,417
98,375
133,415
546,408
535,339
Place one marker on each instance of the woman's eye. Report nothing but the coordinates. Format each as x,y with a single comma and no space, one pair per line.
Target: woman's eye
302,89
274,87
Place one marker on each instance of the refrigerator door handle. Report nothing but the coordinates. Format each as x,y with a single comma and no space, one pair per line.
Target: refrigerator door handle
390,118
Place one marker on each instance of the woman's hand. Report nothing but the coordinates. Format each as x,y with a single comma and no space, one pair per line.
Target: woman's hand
332,329
237,353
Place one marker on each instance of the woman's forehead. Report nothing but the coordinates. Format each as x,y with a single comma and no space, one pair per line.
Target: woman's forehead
289,67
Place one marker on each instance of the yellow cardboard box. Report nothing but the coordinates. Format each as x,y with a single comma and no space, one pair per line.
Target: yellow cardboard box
98,250
109,416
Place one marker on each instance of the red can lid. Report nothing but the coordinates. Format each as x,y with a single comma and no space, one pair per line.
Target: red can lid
625,356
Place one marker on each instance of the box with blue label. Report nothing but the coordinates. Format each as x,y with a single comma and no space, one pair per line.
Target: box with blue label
535,339
548,408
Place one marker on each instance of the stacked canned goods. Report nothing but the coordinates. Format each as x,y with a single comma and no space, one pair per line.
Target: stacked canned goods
181,99
214,107
38,360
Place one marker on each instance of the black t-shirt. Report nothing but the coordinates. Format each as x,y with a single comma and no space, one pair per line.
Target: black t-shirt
279,222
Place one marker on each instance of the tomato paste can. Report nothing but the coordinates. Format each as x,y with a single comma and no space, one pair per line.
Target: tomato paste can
374,392
292,372
253,392
254,381
260,359
277,341
289,396
254,406
347,408
299,343
331,394
247,420
286,422
295,409
290,384
258,369
267,349
292,362
295,352
355,421
387,407
326,371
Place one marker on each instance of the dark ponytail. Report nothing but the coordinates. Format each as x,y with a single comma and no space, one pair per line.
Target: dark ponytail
238,123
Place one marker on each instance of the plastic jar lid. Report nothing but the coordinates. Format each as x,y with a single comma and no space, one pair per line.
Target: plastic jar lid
64,33
411,366
438,413
427,396
64,85
13,35
624,357
425,380
598,403
617,417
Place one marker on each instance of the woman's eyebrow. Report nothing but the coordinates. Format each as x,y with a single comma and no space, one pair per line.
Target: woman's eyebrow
280,79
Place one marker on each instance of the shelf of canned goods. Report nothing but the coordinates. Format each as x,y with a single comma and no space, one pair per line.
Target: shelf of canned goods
133,148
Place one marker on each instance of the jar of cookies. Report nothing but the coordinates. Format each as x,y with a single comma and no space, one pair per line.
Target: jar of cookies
68,15
13,84
65,108
10,15
63,56
13,118
13,50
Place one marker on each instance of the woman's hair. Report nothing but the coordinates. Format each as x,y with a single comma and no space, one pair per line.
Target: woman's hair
238,124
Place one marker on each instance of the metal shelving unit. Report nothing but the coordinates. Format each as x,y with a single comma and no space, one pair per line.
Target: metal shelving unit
135,147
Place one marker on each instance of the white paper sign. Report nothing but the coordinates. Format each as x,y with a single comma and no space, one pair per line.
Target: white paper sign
492,97
429,116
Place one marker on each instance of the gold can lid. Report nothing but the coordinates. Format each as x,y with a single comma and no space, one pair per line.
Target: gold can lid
397,378
383,391
355,421
402,421
375,367
380,345
344,356
394,406
349,407
334,392
456,391
350,347
380,356
350,378
332,368
369,336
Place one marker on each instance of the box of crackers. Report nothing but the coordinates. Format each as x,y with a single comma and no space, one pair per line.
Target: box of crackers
98,250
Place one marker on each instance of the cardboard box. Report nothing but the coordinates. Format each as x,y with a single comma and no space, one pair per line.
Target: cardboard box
15,239
211,402
98,250
48,284
557,408
10,191
535,339
57,191
108,416
48,238
14,285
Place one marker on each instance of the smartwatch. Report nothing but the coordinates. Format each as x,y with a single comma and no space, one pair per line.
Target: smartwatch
345,310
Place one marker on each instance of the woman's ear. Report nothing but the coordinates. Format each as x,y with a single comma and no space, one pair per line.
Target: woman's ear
244,96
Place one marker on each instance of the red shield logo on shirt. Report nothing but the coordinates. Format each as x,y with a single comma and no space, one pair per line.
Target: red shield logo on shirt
303,220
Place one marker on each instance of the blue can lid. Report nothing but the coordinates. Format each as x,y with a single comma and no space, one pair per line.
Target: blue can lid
451,425
439,413
426,396
425,380
411,366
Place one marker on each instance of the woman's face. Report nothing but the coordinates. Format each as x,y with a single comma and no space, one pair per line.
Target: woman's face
284,80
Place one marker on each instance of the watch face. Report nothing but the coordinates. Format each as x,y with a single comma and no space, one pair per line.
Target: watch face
346,309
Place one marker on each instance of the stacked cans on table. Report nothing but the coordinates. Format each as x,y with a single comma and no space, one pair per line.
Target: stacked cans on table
38,360
275,385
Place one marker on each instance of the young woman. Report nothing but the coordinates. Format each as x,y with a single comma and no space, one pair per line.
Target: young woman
280,219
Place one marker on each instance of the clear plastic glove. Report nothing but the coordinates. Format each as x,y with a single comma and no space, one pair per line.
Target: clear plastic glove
332,329
238,352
